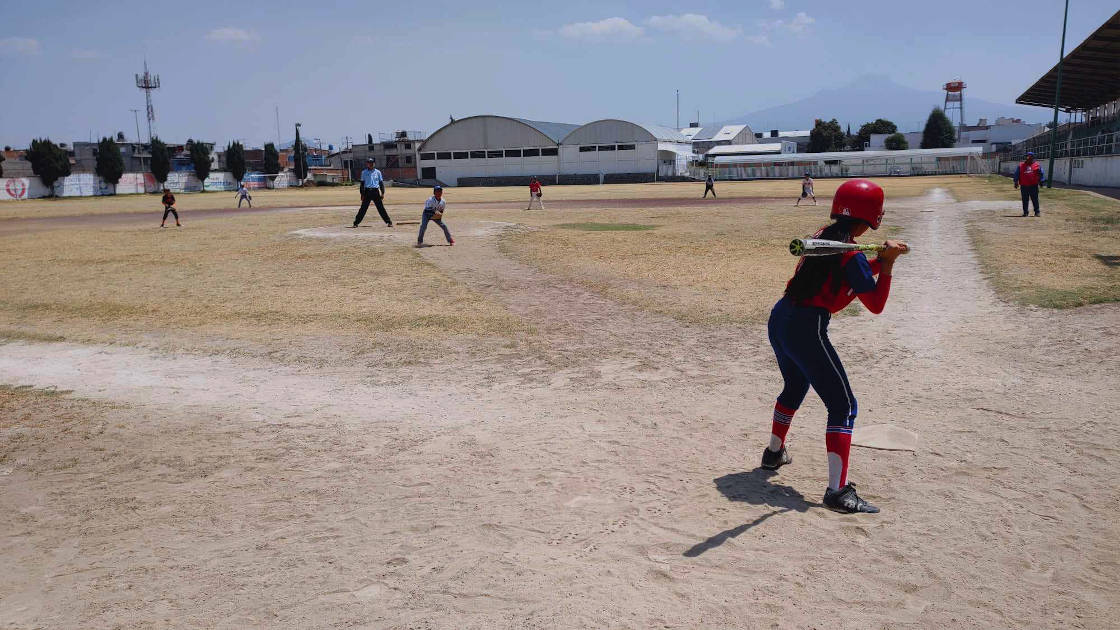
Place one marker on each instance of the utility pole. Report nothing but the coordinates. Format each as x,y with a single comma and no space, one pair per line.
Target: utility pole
278,140
1057,100
678,110
136,118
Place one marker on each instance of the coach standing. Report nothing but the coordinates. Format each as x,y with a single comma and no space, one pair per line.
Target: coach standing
1027,178
373,189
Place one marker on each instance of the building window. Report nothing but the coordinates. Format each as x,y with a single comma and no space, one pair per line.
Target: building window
550,152
459,155
625,147
586,149
477,154
428,172
513,153
424,157
493,154
606,147
443,155
531,152
408,145
392,161
408,159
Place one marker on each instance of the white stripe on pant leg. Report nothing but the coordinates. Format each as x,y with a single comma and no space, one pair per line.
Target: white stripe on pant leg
843,382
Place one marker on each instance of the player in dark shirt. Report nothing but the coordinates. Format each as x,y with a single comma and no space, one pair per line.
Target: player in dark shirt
169,208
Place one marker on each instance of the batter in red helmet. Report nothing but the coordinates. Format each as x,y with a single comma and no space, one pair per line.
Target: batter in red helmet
798,329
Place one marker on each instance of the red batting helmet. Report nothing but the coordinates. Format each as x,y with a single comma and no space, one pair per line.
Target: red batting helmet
859,199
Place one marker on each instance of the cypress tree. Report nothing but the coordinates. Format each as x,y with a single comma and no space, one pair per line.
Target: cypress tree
110,164
200,158
939,132
161,160
48,160
271,159
235,160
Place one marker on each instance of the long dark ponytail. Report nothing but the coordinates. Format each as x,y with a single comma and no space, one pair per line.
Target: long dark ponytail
815,270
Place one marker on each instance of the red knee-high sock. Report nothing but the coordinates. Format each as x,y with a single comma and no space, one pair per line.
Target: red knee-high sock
783,418
838,441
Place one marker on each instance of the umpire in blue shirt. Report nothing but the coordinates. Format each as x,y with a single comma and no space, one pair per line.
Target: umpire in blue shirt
373,189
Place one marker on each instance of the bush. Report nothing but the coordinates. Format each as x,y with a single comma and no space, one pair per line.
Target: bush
896,142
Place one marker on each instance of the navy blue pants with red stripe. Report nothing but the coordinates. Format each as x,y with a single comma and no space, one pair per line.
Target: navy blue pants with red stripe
806,357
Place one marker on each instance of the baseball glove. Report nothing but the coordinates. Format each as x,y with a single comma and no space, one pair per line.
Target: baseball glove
437,215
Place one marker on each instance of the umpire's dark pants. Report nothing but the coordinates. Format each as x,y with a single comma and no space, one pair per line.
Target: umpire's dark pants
1029,193
374,195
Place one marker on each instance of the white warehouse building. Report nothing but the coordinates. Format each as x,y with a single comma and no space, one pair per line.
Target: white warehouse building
496,150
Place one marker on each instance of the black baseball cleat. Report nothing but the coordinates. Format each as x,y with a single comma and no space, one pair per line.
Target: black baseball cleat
773,460
847,501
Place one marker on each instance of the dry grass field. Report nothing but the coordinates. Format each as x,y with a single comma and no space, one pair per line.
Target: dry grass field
268,420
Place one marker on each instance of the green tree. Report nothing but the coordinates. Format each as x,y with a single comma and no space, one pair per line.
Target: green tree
299,153
939,132
896,142
271,159
161,160
235,160
48,160
110,164
200,158
826,136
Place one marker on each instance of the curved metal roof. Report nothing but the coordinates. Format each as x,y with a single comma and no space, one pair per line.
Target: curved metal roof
552,131
656,133
1090,74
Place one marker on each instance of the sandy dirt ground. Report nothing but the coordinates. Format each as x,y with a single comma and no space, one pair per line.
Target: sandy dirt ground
605,477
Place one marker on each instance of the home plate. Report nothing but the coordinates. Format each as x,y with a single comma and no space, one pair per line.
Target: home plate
886,437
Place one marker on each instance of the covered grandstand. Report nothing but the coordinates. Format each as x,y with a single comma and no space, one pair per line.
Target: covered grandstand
954,161
1091,94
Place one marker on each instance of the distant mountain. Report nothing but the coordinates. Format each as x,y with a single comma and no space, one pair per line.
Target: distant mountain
873,96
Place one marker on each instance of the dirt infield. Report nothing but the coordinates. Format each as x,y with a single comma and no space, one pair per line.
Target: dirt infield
593,466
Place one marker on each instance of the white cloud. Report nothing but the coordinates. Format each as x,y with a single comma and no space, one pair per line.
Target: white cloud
19,46
231,34
84,55
609,28
761,40
777,4
694,26
800,22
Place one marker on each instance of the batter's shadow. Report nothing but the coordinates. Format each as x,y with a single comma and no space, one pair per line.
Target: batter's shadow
752,487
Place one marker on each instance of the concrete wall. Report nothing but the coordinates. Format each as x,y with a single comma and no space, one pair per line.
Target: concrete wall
449,171
641,159
1099,170
12,188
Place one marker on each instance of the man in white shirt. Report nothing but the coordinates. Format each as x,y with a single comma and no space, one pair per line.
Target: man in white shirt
243,195
806,190
433,211
372,189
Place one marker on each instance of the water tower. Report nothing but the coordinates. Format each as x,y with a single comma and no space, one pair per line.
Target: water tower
954,101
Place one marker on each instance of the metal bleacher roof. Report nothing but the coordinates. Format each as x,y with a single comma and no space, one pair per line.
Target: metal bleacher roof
1090,74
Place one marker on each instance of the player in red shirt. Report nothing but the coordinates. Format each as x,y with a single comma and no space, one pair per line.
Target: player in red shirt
798,330
169,208
1027,179
535,193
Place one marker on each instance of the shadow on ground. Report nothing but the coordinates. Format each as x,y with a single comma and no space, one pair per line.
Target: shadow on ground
752,487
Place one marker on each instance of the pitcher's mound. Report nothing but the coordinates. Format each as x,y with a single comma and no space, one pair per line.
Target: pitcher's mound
886,437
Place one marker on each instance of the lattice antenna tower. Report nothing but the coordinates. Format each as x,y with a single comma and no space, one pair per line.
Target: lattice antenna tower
954,101
148,82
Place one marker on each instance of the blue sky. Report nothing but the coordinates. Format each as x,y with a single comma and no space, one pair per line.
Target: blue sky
66,68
